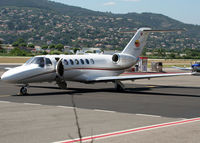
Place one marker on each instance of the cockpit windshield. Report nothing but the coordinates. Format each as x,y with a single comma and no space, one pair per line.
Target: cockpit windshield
28,61
36,60
41,61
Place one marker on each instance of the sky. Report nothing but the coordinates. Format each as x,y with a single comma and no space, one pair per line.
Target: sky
187,11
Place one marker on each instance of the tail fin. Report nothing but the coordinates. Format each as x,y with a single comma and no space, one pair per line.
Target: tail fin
136,44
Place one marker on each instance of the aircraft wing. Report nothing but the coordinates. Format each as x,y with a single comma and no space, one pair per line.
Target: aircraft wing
135,77
7,68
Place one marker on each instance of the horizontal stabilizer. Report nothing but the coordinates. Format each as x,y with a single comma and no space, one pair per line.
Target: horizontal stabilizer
161,31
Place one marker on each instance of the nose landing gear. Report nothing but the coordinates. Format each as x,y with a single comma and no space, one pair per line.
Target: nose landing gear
23,90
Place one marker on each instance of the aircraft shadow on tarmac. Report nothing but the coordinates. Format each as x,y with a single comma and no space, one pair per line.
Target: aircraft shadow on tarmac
134,91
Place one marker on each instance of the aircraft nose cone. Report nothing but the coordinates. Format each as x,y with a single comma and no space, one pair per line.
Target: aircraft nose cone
4,77
8,77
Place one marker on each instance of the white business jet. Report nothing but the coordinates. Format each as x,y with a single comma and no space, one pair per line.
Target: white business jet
83,68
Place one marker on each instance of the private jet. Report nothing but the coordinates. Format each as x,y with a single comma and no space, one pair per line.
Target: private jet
194,67
90,68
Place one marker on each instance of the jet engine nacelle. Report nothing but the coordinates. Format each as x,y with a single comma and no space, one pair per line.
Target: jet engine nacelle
124,60
59,68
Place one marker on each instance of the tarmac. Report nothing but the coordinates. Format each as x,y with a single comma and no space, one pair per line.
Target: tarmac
149,111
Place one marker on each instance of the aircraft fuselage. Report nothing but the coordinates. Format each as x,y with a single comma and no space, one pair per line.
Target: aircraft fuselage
80,68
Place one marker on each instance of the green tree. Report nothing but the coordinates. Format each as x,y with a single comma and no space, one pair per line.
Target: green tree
21,40
15,44
22,44
161,52
52,46
55,52
44,47
18,52
31,46
19,43
44,53
75,50
172,56
88,52
2,50
59,47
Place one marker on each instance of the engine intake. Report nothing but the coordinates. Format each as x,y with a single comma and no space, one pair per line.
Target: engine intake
115,58
60,68
124,60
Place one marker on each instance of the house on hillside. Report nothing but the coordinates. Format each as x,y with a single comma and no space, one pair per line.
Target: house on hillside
38,49
68,49
8,48
2,40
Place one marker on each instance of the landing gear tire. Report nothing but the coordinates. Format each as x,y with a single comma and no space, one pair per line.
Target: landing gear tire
23,91
62,85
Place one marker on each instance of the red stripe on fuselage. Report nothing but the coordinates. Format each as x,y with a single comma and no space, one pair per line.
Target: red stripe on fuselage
108,69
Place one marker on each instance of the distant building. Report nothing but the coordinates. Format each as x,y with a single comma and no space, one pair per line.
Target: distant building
9,48
68,49
38,48
93,50
181,55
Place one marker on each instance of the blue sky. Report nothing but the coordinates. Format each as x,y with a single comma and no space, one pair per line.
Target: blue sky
187,11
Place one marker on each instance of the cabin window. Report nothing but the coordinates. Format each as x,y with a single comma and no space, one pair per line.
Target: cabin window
71,61
87,61
76,61
82,61
66,62
92,61
48,62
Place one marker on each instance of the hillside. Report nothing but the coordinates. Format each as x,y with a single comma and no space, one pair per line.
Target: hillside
50,5
44,22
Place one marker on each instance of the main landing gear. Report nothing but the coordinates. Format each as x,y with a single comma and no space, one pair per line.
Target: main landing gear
23,90
119,86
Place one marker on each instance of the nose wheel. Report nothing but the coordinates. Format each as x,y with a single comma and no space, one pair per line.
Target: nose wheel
23,90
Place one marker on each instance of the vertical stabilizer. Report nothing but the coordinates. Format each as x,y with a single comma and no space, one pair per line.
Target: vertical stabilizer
136,44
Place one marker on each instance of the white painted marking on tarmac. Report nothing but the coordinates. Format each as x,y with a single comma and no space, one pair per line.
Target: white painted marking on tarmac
148,115
32,104
68,107
4,95
5,102
99,110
